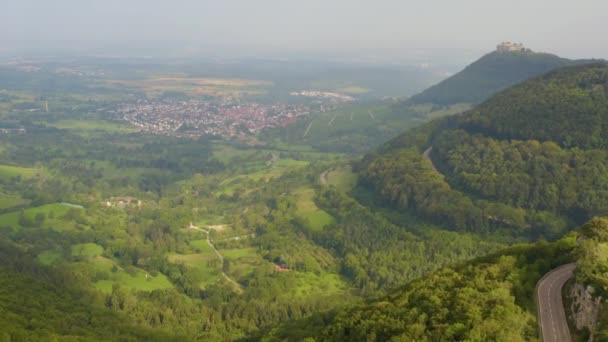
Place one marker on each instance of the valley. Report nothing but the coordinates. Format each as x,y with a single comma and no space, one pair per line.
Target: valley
220,202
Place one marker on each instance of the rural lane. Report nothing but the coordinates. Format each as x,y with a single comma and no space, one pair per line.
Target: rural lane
551,315
226,276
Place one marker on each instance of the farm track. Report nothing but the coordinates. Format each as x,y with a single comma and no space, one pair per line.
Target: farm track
219,255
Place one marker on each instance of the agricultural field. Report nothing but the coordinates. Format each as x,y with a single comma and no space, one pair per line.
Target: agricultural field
307,209
216,87
86,127
10,201
242,261
8,172
57,216
86,250
246,182
206,265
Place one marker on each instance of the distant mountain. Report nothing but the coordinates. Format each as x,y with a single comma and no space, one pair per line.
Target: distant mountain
531,161
489,75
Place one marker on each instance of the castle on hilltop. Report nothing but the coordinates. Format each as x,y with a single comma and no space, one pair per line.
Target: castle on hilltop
510,47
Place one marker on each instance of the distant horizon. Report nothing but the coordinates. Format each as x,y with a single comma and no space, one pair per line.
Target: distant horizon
388,31
439,56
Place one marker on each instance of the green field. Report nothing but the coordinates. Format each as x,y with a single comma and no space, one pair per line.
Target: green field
201,245
138,282
48,257
86,250
342,178
310,284
306,208
206,264
52,212
7,202
248,181
7,172
243,261
227,154
92,125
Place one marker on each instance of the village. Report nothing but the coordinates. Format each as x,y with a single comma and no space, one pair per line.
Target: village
222,117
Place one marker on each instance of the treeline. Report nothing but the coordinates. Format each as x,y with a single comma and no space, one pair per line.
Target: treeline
489,299
139,162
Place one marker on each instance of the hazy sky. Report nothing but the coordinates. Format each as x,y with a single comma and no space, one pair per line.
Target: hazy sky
392,27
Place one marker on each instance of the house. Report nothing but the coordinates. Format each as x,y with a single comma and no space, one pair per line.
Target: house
279,268
123,202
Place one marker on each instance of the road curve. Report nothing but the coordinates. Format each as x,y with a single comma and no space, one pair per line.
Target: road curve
551,315
427,155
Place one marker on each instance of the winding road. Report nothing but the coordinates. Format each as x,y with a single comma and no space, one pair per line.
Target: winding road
427,155
551,315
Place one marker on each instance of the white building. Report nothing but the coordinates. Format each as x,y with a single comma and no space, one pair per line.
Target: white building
510,47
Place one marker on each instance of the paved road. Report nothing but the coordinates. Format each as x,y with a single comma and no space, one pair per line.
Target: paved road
427,155
551,315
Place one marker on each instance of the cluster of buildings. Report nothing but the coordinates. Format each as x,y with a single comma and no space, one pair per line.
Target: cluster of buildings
324,95
26,66
123,202
13,131
223,117
510,47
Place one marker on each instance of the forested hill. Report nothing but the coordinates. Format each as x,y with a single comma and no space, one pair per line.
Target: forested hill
489,299
568,106
532,161
489,75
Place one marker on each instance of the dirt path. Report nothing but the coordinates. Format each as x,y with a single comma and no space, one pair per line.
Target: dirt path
219,255
331,122
307,129
550,306
323,176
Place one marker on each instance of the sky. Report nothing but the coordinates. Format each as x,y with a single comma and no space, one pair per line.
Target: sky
392,29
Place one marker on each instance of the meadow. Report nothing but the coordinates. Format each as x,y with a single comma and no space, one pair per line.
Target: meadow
307,209
85,127
53,214
342,177
8,172
193,86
